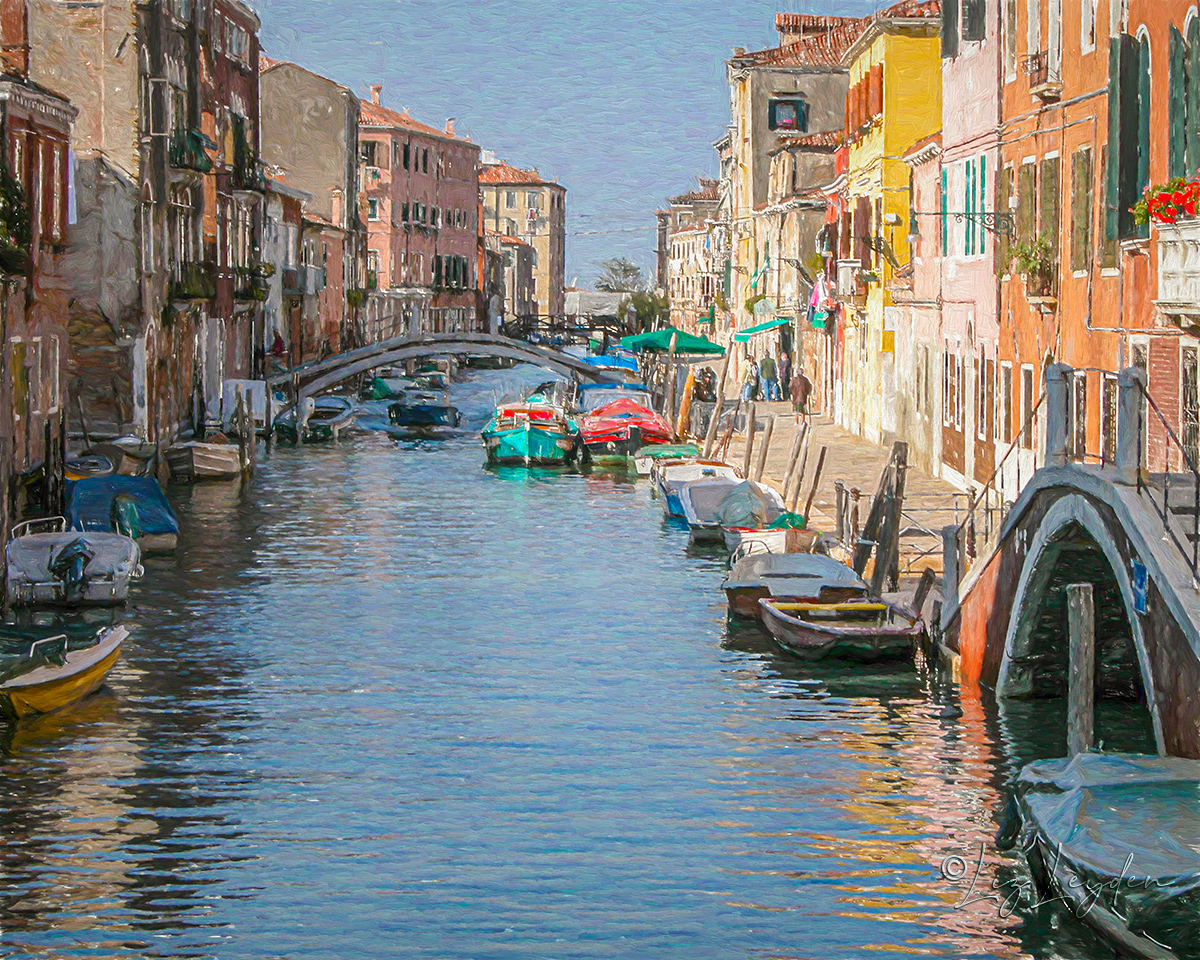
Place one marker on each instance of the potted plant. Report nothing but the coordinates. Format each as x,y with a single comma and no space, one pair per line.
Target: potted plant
1035,260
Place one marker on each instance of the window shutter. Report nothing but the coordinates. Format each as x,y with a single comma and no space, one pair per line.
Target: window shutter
974,19
877,90
945,219
1026,202
1177,114
1048,223
862,229
949,28
1193,98
1003,192
1081,209
1143,130
983,205
969,207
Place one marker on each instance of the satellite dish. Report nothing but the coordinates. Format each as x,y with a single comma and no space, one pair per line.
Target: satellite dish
764,308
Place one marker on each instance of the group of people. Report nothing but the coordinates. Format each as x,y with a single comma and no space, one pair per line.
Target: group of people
770,379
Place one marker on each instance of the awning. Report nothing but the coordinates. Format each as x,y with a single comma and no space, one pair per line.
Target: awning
710,317
659,341
744,336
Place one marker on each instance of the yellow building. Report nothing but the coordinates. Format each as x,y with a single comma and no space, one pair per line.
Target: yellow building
894,101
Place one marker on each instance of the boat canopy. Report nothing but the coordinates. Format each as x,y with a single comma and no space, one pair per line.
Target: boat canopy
93,502
749,504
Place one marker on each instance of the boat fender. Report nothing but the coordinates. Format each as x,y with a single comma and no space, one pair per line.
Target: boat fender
138,572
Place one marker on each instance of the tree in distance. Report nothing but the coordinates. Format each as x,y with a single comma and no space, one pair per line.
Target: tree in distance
621,276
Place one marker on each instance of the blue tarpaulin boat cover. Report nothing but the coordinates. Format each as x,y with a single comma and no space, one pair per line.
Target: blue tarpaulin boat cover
90,504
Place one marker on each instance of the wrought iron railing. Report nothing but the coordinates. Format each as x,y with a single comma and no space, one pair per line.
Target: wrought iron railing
1185,480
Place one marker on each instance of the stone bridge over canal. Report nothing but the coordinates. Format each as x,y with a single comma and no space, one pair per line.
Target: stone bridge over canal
1132,533
312,379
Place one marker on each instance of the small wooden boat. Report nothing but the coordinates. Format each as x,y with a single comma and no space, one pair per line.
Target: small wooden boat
669,477
644,458
133,506
197,460
49,565
615,431
88,465
756,573
323,419
530,434
130,456
862,630
46,674
1117,837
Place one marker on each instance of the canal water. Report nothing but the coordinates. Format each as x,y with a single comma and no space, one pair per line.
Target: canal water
388,703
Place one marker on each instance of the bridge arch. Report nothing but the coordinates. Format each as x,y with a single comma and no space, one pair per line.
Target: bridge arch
317,377
1071,516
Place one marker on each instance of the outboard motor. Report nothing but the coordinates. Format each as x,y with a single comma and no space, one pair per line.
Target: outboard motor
70,565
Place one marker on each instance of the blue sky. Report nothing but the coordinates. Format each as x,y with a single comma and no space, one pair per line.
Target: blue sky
619,99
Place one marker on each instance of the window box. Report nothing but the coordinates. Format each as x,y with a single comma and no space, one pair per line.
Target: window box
188,151
1179,268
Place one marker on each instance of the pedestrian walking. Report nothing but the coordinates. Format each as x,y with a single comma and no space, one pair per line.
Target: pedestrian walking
770,377
785,375
750,383
801,388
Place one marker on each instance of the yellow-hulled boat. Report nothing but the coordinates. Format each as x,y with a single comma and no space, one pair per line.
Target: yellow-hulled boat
58,676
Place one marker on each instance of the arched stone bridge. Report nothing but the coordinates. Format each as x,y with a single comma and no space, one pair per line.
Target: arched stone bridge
1129,533
315,378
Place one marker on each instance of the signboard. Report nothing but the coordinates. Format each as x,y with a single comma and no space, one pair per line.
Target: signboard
1139,587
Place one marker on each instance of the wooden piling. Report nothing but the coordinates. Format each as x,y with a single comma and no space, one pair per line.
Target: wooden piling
761,463
751,426
669,393
802,469
812,491
1081,688
710,435
792,458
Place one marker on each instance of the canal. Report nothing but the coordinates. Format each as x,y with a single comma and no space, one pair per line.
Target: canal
385,702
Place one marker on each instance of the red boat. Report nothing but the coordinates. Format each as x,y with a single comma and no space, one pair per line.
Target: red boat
616,430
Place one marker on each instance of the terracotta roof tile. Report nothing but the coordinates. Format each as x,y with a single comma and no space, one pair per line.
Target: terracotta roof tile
507,173
829,140
375,115
709,190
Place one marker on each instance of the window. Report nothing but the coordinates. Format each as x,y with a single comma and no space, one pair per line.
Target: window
1108,418
1184,99
533,200
1027,201
404,213
1081,209
433,216
366,152
372,209
1087,26
1027,407
1003,207
1006,407
1189,420
1033,38
1048,208
949,28
974,20
1077,437
1010,39
407,154
425,160
788,115
1129,129
510,199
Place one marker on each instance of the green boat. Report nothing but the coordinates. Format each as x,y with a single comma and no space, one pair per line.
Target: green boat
645,457
326,418
530,434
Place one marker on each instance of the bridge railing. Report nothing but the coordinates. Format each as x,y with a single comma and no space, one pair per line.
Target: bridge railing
988,506
1184,484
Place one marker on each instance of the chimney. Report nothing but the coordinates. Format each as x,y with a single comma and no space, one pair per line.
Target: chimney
376,90
739,51
335,206
450,126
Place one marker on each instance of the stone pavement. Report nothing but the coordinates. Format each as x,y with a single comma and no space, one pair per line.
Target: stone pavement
930,503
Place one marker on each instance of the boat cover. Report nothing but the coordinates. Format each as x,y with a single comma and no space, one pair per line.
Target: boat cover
749,504
668,451
707,495
804,566
789,521
93,502
17,660
45,557
1128,827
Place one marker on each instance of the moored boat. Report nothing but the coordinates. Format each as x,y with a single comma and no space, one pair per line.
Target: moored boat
807,576
701,502
529,434
422,413
323,419
195,460
864,630
133,506
1116,838
44,674
49,565
644,458
670,476
592,396
615,431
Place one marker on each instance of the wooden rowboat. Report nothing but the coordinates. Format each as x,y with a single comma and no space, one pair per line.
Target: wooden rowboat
862,630
756,573
50,675
196,460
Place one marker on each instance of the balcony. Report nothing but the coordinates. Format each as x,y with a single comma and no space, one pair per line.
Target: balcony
249,175
253,282
1045,81
1179,269
312,279
187,151
194,280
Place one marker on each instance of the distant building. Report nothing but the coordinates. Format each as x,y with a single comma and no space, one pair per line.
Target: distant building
517,257
693,278
522,203
421,190
310,135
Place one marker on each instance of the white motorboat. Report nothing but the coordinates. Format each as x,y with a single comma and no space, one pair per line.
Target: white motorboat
701,502
52,566
669,477
757,573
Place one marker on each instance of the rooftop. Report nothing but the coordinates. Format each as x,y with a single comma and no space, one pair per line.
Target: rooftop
830,140
371,113
709,190
505,173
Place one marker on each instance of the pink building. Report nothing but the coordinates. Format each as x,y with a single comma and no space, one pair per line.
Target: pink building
421,187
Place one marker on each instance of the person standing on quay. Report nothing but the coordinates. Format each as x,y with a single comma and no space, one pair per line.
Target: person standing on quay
750,383
770,377
801,388
785,374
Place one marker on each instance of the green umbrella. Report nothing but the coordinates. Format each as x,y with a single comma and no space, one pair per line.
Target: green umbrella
659,341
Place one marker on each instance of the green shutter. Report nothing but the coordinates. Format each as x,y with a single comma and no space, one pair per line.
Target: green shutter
983,204
1177,115
1048,223
945,219
1143,130
1027,203
1112,184
1193,98
1082,203
1003,192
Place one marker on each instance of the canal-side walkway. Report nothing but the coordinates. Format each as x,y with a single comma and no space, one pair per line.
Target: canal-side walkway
857,463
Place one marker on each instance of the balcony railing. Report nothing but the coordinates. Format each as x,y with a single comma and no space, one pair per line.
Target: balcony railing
194,280
1045,80
187,151
312,279
252,282
1179,268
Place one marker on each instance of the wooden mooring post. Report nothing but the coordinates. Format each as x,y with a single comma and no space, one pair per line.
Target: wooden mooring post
761,463
714,420
1081,683
751,425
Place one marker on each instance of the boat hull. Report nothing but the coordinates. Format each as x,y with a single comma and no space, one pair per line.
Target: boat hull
528,445
840,640
192,462
53,687
773,540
